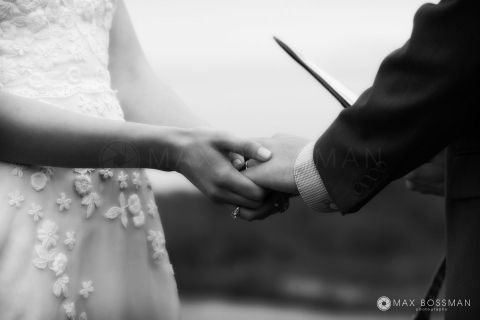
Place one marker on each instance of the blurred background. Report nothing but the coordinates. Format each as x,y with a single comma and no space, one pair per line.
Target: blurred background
219,56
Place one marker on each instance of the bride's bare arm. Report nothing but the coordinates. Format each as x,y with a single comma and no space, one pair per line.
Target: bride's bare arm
32,132
144,98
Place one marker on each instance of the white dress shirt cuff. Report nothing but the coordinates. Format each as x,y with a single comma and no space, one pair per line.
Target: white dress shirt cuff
310,184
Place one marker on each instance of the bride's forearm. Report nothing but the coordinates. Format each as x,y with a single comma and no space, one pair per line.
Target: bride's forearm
36,133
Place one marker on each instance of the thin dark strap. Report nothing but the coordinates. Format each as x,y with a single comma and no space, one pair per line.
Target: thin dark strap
433,290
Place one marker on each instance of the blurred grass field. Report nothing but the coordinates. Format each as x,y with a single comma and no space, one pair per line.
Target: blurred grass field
222,310
306,259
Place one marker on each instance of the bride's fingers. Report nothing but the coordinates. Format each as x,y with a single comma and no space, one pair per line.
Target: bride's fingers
236,182
237,160
228,197
260,176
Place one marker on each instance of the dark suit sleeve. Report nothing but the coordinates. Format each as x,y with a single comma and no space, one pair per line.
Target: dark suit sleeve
421,100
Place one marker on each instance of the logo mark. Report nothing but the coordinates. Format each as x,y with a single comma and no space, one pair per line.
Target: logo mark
119,154
384,303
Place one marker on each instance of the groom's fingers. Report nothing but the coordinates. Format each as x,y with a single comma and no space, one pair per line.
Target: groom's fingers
426,187
427,172
272,205
247,148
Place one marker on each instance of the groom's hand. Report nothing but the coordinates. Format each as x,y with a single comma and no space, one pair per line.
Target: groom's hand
277,173
429,178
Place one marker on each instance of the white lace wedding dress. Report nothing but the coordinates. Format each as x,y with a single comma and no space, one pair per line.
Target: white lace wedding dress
74,243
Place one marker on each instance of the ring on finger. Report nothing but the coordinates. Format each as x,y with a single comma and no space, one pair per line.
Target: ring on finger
235,213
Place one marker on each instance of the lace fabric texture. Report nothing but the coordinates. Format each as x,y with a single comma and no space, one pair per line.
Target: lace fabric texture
74,243
57,51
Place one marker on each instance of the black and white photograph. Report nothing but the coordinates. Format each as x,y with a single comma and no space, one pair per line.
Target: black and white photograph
239,160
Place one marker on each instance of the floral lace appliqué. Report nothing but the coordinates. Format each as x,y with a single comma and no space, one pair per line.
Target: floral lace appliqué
157,241
122,180
59,264
15,199
35,211
63,202
139,220
70,240
18,171
39,181
44,256
152,208
83,184
69,308
47,234
87,289
121,211
105,173
60,286
135,208
91,201
136,180
134,204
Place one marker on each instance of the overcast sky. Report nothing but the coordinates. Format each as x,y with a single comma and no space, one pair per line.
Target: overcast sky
218,55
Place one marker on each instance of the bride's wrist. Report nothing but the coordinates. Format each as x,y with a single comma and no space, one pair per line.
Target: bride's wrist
157,147
179,142
161,148
182,143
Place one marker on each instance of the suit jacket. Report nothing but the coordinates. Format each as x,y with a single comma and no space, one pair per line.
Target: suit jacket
424,98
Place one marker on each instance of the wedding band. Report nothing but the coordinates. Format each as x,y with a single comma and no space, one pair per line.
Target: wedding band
235,213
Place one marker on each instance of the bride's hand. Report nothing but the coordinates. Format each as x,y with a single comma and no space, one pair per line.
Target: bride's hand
203,157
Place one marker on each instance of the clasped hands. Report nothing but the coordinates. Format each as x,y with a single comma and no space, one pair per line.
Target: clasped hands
214,162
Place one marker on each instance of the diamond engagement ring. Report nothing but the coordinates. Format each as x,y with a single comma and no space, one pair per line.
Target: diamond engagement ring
235,213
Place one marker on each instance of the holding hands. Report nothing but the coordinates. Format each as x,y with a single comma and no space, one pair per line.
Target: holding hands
275,175
261,186
205,157
211,160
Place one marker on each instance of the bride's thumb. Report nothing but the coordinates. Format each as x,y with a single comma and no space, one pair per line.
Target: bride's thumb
247,148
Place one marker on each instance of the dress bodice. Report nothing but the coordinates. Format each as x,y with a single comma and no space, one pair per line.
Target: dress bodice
56,51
